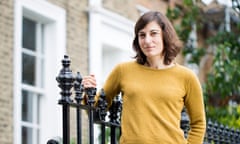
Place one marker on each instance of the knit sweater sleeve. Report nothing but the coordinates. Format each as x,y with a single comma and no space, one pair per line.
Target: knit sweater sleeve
195,107
112,84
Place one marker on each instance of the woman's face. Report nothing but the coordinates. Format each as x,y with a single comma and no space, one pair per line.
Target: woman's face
150,40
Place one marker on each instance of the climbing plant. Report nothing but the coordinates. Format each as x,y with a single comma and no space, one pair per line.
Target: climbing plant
187,16
222,86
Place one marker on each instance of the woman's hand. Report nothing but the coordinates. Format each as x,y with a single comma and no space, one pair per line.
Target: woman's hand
89,81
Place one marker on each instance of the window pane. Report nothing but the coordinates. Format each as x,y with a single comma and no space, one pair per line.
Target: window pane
30,107
28,69
27,135
29,34
27,106
37,109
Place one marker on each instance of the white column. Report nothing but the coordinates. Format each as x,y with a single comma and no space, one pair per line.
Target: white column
95,35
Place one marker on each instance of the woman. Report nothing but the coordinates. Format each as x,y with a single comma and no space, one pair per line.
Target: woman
155,88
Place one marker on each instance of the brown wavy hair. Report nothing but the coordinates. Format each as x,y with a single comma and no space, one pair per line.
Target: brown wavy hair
172,44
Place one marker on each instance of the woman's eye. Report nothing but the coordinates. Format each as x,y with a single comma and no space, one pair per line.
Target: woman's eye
141,35
154,33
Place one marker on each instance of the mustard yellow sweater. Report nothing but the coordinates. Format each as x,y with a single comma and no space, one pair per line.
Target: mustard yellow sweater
152,103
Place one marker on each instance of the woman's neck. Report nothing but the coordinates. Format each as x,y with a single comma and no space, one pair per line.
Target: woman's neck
157,64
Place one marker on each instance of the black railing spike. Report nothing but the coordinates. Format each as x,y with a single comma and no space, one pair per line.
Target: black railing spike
210,136
221,132
90,92
115,110
231,131
102,106
102,112
237,135
52,141
119,109
65,81
228,135
78,97
184,123
78,88
215,131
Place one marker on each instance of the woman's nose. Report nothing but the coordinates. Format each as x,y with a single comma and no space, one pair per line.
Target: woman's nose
147,39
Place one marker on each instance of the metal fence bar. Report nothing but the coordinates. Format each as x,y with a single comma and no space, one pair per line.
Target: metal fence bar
91,127
113,135
78,97
66,126
65,80
79,126
103,133
91,92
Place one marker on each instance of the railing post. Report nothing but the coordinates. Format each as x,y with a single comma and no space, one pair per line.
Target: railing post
78,97
101,114
65,80
91,92
210,136
221,136
51,141
114,116
237,135
184,122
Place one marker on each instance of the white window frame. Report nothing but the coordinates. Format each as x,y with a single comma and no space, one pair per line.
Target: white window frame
54,19
110,29
37,89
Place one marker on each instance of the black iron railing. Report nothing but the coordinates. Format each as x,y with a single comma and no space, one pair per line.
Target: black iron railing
84,99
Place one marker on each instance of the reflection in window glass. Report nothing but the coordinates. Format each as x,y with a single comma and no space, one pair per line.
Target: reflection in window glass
29,34
28,69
